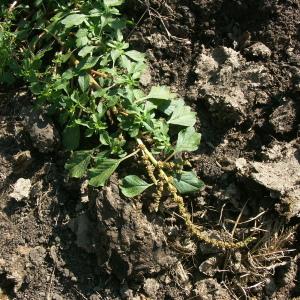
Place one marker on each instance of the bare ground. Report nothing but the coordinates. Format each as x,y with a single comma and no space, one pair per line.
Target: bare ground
238,65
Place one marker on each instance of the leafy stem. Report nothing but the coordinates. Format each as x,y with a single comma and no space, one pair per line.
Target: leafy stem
82,69
193,229
147,152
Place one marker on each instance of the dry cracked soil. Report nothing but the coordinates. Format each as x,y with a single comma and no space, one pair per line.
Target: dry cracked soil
237,63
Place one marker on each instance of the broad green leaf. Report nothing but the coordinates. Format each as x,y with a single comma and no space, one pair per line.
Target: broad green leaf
138,69
105,138
137,93
133,185
78,163
71,137
100,109
188,182
103,155
67,75
73,20
82,37
88,63
115,54
113,2
86,50
84,82
99,93
188,140
182,115
171,106
104,169
135,55
126,63
82,41
160,92
118,24
149,106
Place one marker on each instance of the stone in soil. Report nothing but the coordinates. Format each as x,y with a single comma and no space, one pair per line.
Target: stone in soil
259,50
280,174
210,289
284,118
21,189
44,136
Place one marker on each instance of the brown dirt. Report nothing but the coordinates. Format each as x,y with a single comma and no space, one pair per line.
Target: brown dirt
238,64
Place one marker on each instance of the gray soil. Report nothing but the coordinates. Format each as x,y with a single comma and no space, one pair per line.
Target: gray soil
237,63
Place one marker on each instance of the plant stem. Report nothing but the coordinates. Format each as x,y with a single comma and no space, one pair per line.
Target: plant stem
192,228
169,157
131,154
148,153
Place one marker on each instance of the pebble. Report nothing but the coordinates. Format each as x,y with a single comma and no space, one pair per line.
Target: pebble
45,137
151,287
66,272
259,50
21,189
57,297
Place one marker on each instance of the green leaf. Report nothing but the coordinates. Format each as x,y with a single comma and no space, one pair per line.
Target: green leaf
188,182
135,55
100,109
182,115
88,63
113,2
73,20
104,138
78,163
65,57
67,75
149,106
169,107
104,169
86,50
126,63
115,54
133,185
84,82
160,92
82,37
71,137
103,155
188,140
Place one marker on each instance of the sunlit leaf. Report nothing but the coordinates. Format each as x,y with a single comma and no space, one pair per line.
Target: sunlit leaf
133,185
182,115
135,55
113,2
84,82
188,140
74,20
86,50
101,173
188,182
160,92
88,63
